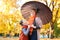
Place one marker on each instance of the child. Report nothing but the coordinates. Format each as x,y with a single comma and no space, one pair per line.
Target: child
25,30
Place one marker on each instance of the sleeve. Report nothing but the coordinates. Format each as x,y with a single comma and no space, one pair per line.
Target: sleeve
38,23
37,27
25,31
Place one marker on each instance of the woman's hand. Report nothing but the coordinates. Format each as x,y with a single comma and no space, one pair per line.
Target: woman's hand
29,26
33,26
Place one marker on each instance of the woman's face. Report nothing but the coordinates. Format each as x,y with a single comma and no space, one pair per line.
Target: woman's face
27,12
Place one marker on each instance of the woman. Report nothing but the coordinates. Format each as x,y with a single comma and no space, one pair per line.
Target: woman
42,15
29,9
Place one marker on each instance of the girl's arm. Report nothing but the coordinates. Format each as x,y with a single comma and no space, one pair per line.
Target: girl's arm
26,31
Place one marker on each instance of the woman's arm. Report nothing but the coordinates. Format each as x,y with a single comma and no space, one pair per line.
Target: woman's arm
38,23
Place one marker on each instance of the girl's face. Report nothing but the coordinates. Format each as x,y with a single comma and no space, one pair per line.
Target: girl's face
27,12
25,22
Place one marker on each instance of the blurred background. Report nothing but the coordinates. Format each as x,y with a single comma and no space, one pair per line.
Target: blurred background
10,16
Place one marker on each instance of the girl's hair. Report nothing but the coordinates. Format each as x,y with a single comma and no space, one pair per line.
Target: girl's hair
35,5
21,23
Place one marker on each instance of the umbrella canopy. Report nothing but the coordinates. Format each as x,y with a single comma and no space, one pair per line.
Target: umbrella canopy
42,11
45,13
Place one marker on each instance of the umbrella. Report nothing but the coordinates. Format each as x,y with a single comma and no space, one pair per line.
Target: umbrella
43,11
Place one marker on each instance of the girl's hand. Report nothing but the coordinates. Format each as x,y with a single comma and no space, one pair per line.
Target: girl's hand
29,26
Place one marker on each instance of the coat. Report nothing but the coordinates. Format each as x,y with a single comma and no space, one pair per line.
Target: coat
22,36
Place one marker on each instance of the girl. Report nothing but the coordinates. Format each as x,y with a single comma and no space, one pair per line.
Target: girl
25,30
